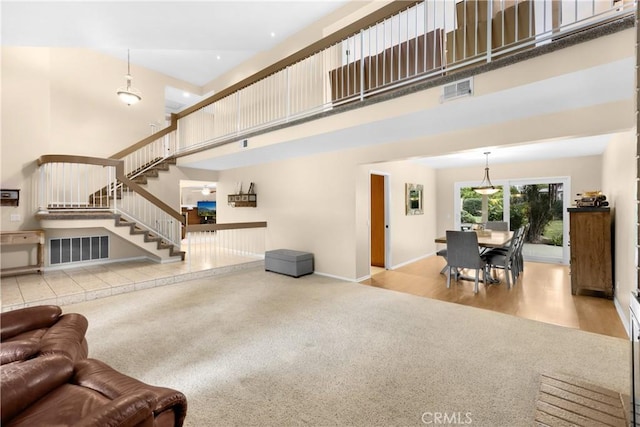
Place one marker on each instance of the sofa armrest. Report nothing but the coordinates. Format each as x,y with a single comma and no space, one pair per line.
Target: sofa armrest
12,351
99,376
132,410
18,321
22,383
67,336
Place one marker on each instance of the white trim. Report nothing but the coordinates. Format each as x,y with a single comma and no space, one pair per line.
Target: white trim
624,318
411,261
79,264
345,279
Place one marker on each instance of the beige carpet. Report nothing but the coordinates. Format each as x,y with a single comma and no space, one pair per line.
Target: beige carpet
257,348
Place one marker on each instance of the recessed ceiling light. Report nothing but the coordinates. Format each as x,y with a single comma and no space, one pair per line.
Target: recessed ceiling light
186,94
273,34
217,56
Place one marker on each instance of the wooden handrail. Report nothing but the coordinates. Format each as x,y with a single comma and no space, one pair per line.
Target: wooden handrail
122,177
67,158
349,30
173,126
377,16
229,226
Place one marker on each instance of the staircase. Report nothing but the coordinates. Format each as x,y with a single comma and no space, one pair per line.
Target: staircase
121,205
155,246
100,199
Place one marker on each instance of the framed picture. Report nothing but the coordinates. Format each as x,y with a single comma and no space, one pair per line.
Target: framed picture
252,197
244,198
413,199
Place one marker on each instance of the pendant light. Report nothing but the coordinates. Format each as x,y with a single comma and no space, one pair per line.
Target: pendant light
128,94
486,187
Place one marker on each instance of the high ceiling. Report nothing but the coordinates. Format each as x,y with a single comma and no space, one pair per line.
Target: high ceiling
194,41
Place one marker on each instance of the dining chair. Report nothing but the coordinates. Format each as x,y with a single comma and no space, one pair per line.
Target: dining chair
463,252
496,225
505,258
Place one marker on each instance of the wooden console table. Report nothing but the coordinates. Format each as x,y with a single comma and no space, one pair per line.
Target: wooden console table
14,238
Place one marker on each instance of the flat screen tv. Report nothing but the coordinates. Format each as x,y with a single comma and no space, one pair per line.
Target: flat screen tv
206,208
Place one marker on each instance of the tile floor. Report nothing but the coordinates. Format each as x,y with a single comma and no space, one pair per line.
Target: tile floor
83,283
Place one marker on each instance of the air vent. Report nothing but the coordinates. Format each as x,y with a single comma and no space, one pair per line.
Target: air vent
457,89
77,249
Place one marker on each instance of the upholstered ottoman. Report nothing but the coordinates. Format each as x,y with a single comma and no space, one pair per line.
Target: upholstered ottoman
286,261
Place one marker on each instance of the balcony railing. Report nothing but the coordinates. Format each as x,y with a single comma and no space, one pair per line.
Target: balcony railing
213,245
377,54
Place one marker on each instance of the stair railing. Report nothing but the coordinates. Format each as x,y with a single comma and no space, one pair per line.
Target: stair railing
402,43
88,184
149,152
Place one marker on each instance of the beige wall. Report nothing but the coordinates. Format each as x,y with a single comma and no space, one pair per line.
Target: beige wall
618,176
308,203
63,101
585,174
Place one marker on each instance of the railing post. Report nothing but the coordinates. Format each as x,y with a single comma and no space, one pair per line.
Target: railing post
288,112
362,64
489,21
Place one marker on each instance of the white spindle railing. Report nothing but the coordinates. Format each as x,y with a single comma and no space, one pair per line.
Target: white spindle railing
155,152
217,245
68,186
421,42
83,184
136,208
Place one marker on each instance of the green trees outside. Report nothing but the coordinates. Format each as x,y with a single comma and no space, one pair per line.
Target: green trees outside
472,206
538,205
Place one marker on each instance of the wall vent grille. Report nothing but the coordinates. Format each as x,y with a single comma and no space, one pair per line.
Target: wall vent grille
77,249
457,89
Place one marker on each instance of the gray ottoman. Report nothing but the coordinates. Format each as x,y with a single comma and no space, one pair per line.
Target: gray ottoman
286,261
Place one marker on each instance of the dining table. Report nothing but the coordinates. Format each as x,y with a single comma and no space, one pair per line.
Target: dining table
487,239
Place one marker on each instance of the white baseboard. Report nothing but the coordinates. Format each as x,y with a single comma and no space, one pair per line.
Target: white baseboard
71,265
623,316
333,276
411,261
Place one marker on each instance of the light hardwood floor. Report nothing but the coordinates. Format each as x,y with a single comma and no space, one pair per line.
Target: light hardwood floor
542,293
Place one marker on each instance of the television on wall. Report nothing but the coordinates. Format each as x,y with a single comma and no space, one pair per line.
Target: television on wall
206,208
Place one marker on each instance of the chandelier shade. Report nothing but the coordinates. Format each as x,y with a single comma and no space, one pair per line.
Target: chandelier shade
486,188
128,94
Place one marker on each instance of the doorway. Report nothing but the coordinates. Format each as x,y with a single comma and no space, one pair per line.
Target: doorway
379,228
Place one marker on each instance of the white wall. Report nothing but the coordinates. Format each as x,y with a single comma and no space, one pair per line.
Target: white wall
63,101
618,177
412,236
308,203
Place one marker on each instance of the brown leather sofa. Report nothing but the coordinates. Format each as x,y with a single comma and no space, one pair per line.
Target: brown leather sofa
32,331
46,378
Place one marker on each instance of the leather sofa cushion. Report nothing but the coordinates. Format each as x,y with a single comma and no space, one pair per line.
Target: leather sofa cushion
23,383
17,350
15,322
67,336
75,405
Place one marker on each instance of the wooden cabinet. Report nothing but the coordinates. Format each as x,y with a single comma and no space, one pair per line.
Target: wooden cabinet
590,234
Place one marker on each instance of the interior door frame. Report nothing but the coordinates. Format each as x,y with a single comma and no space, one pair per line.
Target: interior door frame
506,184
387,217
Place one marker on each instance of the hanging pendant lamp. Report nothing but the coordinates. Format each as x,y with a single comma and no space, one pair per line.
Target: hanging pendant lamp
128,94
486,187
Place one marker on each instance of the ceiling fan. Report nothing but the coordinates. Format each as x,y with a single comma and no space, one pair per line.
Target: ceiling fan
205,190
